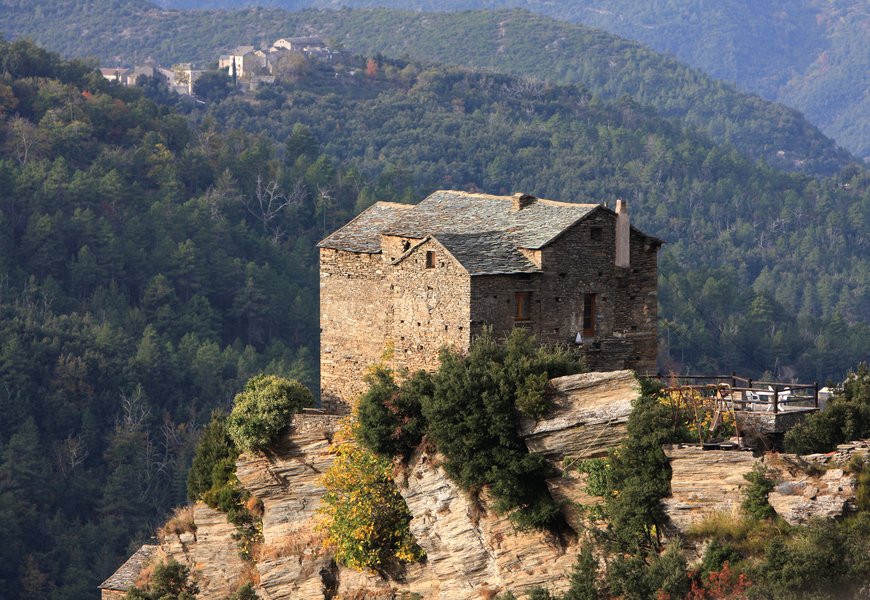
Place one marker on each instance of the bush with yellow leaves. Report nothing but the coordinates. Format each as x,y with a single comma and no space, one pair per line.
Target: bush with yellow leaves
365,519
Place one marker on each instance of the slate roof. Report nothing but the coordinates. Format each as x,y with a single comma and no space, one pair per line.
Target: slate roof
482,231
363,233
486,253
125,577
464,213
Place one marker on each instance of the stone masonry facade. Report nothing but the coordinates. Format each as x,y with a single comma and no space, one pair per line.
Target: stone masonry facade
401,282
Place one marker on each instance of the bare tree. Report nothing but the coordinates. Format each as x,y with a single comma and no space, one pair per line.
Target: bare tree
24,135
134,411
267,204
70,454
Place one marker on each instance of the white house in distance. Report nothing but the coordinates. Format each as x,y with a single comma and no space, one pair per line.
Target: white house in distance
306,45
118,74
242,59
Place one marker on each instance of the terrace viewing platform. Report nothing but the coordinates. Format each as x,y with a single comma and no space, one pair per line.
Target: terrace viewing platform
758,409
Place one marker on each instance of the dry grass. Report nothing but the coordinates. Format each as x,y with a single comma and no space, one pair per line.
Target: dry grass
249,574
255,507
300,544
146,574
746,535
721,525
487,593
180,522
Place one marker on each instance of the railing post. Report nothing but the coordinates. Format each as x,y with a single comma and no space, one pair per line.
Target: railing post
816,393
776,400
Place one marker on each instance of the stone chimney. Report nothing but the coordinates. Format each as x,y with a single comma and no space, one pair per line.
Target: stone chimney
521,201
623,235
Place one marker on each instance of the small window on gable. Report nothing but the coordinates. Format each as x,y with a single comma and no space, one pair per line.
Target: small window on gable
430,259
523,306
595,233
588,315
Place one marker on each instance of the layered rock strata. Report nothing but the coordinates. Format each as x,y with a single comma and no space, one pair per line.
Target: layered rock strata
588,419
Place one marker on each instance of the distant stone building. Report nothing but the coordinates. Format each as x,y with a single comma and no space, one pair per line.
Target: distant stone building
118,74
241,62
117,586
300,44
403,281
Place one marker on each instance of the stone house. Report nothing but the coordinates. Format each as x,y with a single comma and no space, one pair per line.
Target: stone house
399,282
117,586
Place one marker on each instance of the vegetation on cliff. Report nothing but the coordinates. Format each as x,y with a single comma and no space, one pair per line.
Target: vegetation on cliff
469,410
171,580
365,518
845,418
264,409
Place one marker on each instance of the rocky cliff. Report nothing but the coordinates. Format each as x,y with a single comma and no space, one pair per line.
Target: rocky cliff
471,551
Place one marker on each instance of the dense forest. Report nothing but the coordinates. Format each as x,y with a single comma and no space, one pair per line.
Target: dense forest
516,42
155,253
139,289
804,53
763,271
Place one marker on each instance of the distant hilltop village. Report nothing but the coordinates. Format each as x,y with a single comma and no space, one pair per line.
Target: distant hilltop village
246,65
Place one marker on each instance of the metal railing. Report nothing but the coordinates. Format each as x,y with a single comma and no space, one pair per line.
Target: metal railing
746,393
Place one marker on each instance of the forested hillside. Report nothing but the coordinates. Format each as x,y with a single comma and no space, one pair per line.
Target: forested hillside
804,53
156,253
137,293
746,244
515,42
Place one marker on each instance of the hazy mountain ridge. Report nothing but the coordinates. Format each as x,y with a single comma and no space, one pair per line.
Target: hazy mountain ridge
511,41
802,53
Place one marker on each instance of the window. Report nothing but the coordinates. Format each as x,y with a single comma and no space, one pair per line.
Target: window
595,233
524,306
430,259
589,315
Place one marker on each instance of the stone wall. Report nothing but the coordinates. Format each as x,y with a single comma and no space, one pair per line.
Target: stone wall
393,305
430,307
626,303
371,310
353,322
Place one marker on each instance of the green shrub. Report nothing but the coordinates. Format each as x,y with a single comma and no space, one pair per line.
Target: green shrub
472,419
246,592
860,467
755,494
584,577
215,447
263,410
717,554
627,577
667,573
213,480
391,416
640,474
846,418
365,518
169,581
